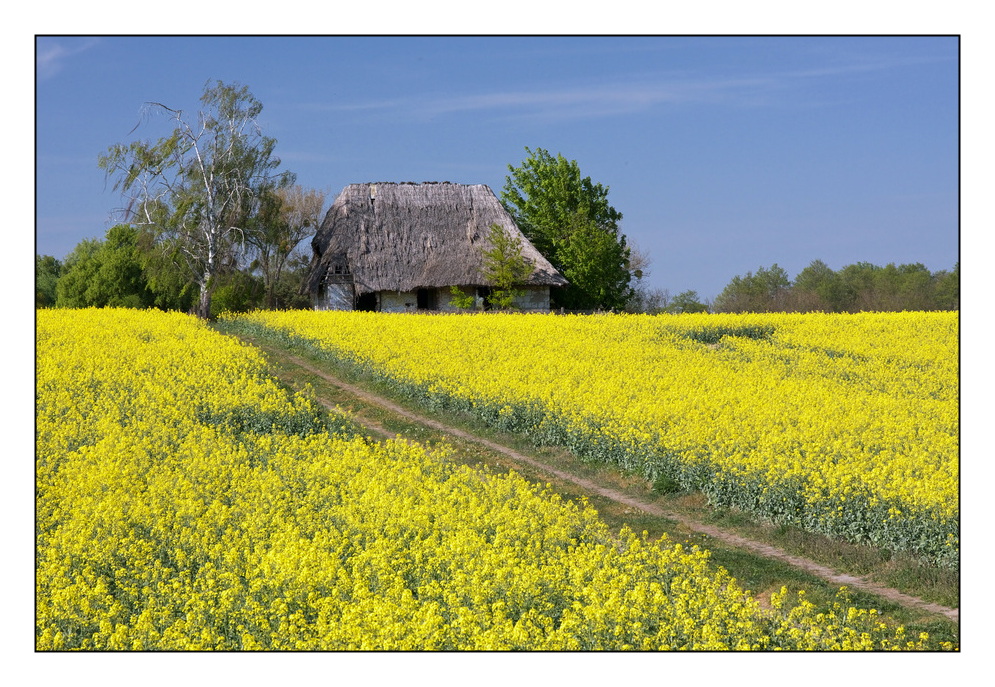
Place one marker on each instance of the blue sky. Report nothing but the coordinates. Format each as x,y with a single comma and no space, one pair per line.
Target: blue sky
723,154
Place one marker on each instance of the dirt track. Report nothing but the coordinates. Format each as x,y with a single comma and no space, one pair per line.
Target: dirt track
759,548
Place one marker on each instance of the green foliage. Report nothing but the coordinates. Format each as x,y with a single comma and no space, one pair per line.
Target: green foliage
285,292
236,292
504,267
946,288
595,262
818,287
460,299
858,287
166,273
686,302
665,484
902,287
764,291
713,334
105,273
47,273
78,272
569,220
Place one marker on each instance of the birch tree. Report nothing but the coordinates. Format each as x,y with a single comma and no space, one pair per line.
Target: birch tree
200,186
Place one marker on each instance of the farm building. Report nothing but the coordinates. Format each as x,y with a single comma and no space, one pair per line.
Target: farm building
397,247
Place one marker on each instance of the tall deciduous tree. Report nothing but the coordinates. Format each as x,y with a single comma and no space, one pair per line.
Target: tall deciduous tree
858,286
200,185
567,217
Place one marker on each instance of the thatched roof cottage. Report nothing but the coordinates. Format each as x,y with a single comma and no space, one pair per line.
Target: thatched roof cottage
401,246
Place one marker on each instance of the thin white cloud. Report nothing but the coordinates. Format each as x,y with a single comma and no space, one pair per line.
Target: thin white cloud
619,97
862,66
596,100
51,54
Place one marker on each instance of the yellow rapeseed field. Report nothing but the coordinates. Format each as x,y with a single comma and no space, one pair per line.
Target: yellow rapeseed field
185,501
845,424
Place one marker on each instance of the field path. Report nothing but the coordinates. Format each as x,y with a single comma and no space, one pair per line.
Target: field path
729,538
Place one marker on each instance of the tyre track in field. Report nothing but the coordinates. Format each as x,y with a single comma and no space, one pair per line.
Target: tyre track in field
729,538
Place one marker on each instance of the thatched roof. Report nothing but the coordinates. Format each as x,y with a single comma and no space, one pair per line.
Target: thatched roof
406,236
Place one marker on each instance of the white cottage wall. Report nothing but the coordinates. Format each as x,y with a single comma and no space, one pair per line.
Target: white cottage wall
397,301
535,299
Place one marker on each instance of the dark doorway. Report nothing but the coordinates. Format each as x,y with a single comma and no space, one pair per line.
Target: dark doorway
426,299
366,301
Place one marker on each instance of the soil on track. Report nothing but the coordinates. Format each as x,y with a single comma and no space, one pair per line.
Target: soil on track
591,487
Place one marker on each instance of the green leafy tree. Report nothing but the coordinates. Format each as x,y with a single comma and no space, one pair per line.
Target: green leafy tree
858,286
286,291
567,218
236,292
817,287
105,273
504,267
199,186
772,285
458,298
765,291
914,287
121,273
946,287
595,262
868,287
166,272
686,302
78,273
47,273
737,295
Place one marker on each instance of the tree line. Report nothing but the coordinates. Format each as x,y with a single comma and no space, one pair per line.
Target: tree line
135,266
857,287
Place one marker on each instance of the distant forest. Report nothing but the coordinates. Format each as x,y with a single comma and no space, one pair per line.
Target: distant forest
854,288
122,271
